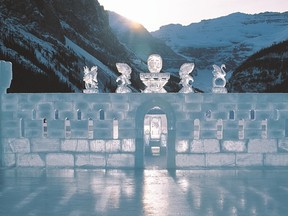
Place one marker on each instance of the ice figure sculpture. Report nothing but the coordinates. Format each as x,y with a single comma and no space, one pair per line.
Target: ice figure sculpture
154,80
186,79
124,80
90,79
5,76
219,80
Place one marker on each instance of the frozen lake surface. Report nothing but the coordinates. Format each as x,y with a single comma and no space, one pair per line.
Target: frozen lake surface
149,192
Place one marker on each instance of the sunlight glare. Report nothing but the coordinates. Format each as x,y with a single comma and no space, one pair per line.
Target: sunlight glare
154,14
147,13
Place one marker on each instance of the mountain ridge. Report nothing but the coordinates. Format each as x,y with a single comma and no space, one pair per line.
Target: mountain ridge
49,42
264,71
228,40
37,38
137,38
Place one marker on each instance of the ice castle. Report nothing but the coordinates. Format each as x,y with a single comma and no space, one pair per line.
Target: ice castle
184,130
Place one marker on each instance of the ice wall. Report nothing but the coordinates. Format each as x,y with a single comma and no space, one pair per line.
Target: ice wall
204,130
106,130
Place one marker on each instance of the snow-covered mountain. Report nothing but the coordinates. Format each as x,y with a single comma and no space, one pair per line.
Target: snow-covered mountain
137,38
50,41
226,40
265,71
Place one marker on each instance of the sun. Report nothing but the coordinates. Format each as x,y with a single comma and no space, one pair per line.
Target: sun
143,13
146,13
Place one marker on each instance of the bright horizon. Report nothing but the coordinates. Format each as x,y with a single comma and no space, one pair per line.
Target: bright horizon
153,14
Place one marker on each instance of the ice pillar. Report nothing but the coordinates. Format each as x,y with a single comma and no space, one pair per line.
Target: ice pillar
5,76
5,81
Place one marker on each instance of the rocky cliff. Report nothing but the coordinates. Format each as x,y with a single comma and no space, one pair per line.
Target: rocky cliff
49,42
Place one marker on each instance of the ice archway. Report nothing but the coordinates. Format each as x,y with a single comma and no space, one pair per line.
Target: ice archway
142,110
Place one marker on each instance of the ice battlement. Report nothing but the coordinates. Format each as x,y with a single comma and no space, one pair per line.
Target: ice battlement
109,130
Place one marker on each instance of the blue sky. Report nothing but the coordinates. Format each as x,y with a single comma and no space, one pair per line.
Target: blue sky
155,13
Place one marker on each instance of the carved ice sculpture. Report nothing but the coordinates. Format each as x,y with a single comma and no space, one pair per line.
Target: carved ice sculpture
186,79
219,80
124,80
90,79
154,80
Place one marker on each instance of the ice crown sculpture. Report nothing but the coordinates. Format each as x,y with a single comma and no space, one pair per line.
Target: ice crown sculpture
154,80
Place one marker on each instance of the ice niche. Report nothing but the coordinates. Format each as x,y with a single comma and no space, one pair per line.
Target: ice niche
219,80
154,80
90,79
124,80
186,79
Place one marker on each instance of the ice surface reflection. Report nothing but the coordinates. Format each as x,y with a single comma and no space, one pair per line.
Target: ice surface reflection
148,192
155,196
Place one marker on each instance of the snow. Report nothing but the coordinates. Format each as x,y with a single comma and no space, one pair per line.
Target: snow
89,57
219,32
101,67
231,38
23,37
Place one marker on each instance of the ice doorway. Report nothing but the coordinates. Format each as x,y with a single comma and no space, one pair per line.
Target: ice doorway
155,139
155,122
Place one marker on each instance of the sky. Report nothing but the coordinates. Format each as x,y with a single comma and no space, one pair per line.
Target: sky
153,14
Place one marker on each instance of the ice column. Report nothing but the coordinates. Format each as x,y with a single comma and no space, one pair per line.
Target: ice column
5,76
219,126
67,128
241,129
90,128
45,128
196,129
5,82
264,129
